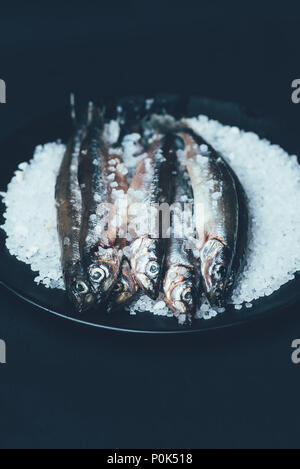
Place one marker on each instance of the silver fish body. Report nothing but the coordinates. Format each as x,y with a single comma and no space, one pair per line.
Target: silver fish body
69,214
180,280
216,211
151,187
97,171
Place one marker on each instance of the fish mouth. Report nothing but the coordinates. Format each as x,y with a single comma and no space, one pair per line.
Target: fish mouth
183,312
179,307
103,291
79,291
123,289
88,303
178,304
123,298
82,304
150,287
217,298
180,290
118,301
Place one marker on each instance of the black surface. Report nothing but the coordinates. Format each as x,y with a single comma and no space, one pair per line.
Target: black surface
68,385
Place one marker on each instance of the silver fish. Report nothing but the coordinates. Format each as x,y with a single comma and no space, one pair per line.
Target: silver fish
98,169
180,281
69,211
150,187
216,211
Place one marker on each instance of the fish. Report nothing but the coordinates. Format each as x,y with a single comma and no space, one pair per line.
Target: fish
151,186
180,283
216,212
102,179
69,214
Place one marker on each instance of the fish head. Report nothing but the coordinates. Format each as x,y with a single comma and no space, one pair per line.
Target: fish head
79,289
215,269
146,264
124,288
103,270
180,290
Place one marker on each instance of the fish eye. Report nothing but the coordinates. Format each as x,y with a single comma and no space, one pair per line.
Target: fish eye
152,269
81,287
98,274
187,295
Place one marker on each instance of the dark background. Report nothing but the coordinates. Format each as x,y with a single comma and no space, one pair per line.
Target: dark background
67,385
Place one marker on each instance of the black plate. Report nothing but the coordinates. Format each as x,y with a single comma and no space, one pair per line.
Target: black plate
18,277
